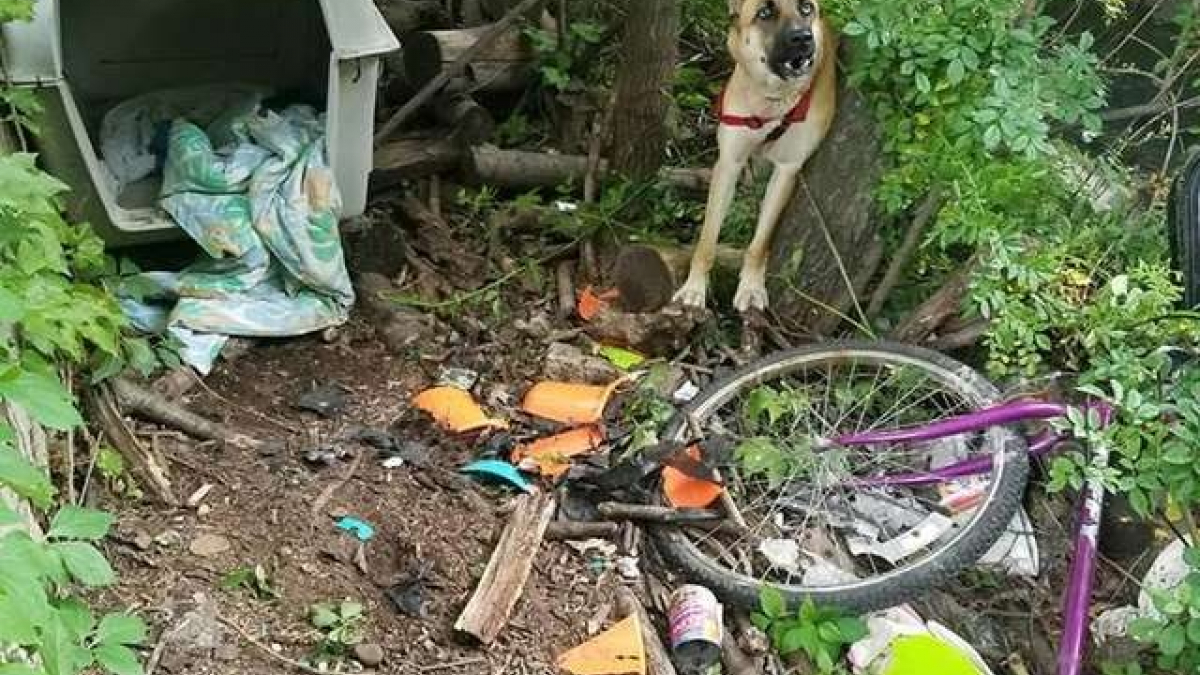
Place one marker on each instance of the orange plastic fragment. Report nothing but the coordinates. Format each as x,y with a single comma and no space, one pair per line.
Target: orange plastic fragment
591,303
617,651
455,410
685,492
553,454
568,402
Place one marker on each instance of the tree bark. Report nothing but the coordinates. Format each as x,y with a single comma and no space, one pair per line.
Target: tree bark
834,203
643,86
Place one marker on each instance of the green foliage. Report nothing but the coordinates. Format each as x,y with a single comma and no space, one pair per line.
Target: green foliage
559,64
253,580
645,410
821,633
340,625
1175,633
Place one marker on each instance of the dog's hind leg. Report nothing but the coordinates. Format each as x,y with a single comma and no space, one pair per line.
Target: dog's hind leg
720,196
752,283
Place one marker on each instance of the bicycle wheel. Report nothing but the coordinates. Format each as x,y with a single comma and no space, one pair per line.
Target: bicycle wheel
849,529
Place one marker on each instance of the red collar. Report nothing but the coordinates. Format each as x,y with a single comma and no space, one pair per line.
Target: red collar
797,114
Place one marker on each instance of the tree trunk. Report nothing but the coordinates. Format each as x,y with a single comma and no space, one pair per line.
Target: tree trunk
643,86
834,201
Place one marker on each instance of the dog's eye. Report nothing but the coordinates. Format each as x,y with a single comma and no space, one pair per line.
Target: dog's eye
806,9
766,12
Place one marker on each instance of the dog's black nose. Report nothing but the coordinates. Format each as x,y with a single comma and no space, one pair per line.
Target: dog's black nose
800,37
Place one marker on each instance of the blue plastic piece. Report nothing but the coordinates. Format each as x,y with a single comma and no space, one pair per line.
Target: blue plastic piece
363,531
499,470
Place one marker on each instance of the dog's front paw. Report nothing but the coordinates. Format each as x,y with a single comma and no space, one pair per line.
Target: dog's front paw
692,294
750,296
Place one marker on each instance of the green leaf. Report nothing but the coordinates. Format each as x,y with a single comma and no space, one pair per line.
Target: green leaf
8,517
12,309
852,629
853,28
760,621
74,522
23,478
60,650
17,669
1193,631
117,659
323,616
121,629
923,84
43,397
772,602
1172,640
956,71
85,563
76,617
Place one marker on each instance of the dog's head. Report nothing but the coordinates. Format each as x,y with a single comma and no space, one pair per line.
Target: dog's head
782,38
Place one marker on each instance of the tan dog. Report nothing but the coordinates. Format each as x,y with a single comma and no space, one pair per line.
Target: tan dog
778,103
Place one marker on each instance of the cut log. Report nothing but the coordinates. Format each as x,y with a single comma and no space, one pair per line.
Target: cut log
453,70
146,465
504,578
935,311
505,65
656,333
835,204
658,659
414,158
561,530
406,16
647,276
521,170
471,123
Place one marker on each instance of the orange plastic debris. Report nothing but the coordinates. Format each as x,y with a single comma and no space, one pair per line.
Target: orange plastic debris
617,651
568,402
591,303
553,454
685,492
455,410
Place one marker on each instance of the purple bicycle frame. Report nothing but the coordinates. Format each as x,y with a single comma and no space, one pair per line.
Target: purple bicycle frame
1083,558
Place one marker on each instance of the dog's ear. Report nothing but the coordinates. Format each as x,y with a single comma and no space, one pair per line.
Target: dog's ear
735,7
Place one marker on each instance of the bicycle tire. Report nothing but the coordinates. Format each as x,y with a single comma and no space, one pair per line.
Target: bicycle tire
1183,229
892,588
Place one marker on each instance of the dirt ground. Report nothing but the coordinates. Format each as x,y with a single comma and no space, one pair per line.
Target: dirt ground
262,504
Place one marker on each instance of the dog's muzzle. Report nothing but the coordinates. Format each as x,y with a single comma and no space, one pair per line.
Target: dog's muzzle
795,52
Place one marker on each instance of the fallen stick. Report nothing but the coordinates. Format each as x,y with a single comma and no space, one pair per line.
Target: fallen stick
657,514
245,635
323,499
145,464
504,578
135,399
658,660
453,70
937,309
564,277
561,530
912,239
180,381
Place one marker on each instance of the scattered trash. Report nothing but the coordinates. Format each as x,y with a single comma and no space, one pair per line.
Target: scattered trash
568,402
904,545
326,400
567,363
617,651
628,568
1016,551
551,455
564,206
455,410
498,470
1168,570
783,554
408,596
591,304
686,392
324,456
899,642
462,378
685,491
209,545
360,529
198,496
597,553
695,626
393,462
620,357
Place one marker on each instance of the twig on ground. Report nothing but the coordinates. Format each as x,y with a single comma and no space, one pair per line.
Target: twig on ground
912,239
136,399
564,277
323,499
268,651
453,664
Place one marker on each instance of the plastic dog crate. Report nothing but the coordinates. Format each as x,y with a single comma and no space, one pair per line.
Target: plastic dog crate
82,57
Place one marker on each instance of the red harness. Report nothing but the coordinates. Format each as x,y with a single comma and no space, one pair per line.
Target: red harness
797,114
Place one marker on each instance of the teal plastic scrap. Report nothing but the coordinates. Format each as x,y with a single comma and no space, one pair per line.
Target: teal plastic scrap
498,470
360,529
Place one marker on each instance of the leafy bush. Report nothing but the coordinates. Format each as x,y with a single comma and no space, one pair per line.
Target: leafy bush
821,633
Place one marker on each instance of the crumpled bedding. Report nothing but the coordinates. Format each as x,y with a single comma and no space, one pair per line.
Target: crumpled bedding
254,190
